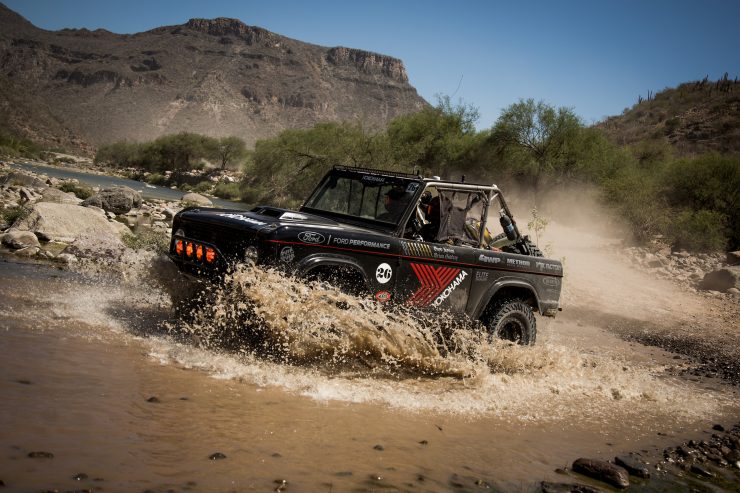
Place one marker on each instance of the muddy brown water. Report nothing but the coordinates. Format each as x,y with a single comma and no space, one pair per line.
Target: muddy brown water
82,355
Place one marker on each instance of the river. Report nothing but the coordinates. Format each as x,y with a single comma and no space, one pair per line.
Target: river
93,374
146,190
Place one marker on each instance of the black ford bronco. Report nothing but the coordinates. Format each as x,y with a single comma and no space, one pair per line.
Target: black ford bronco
421,242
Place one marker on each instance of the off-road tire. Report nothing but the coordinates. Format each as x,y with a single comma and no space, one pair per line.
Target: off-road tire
511,320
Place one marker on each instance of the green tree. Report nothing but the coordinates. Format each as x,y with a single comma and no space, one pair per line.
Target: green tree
435,139
290,165
229,150
537,139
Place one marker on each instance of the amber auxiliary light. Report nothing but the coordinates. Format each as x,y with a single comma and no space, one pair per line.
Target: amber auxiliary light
191,249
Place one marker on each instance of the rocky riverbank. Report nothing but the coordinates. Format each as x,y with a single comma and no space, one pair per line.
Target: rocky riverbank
63,220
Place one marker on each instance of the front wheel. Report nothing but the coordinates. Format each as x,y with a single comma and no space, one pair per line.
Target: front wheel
511,320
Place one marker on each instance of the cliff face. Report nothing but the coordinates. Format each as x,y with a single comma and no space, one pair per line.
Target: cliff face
213,76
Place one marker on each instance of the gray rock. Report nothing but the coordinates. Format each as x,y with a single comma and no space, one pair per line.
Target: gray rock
30,251
633,465
20,239
67,258
603,471
118,200
168,213
196,198
733,258
722,279
23,179
65,222
701,471
57,196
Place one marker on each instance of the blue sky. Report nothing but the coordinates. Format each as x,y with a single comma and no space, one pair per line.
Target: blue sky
593,56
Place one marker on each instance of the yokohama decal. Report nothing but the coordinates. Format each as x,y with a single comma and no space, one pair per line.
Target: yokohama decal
437,283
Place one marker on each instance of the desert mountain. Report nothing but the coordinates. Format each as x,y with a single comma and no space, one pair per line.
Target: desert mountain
695,117
218,77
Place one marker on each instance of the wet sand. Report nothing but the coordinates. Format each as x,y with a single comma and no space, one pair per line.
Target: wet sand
81,361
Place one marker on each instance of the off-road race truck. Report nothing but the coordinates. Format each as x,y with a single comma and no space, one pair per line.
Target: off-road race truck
402,238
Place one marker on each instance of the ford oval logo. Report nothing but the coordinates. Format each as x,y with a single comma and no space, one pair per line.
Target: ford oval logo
311,238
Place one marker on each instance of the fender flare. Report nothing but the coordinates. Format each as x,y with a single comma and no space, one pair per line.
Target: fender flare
497,286
311,262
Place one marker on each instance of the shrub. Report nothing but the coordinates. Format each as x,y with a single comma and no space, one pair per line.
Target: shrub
699,230
148,239
204,186
81,191
13,214
156,179
229,191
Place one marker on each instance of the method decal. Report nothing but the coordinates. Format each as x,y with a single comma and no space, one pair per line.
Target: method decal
311,238
383,273
437,284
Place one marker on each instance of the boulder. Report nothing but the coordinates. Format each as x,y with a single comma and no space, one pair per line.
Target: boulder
634,465
721,279
20,239
57,196
733,258
196,198
17,178
28,251
118,200
603,471
65,222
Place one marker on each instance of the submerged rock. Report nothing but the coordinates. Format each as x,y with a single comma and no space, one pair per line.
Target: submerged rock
603,471
548,487
41,455
633,465
217,456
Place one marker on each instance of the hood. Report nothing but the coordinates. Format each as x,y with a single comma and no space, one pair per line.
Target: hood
261,217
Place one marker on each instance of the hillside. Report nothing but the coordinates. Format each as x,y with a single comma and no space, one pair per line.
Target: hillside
696,117
218,77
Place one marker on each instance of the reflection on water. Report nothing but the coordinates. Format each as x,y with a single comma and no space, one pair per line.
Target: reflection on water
356,399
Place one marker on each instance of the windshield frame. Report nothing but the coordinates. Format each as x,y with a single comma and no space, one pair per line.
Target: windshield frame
377,178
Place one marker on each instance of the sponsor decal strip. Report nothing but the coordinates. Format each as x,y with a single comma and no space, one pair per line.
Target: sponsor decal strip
412,257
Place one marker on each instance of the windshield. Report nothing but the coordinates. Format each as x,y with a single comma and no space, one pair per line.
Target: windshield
374,197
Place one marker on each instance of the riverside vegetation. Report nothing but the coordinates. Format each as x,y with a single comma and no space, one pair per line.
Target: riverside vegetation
659,185
691,200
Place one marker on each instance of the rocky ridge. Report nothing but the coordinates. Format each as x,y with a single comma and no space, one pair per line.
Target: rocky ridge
77,87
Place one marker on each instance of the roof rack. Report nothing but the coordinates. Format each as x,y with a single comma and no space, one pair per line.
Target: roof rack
399,174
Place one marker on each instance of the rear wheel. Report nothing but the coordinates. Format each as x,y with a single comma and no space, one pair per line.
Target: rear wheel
511,320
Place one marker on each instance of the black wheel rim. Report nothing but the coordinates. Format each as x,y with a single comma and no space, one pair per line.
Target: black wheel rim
512,330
